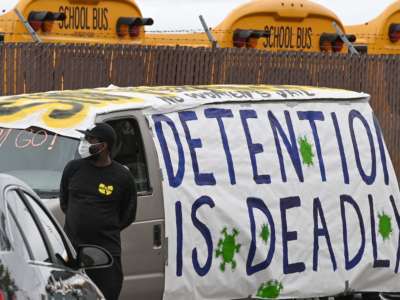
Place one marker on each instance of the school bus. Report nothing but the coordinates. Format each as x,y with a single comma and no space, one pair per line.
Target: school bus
380,35
273,25
76,21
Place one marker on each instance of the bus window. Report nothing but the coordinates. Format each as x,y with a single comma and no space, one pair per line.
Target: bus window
77,21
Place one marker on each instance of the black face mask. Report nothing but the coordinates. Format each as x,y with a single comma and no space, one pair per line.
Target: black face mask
95,151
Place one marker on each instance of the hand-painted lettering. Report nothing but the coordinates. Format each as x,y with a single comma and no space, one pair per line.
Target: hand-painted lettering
351,263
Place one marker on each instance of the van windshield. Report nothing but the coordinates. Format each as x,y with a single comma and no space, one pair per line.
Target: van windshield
37,157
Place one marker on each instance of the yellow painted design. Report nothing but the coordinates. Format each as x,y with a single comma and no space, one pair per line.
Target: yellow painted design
59,110
69,109
105,189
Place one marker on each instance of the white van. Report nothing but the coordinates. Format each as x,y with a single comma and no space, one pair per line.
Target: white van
243,191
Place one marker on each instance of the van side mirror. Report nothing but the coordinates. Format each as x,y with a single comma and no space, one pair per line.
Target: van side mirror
93,257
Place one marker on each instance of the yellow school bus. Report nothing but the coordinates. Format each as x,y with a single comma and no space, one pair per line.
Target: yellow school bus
272,25
380,35
76,21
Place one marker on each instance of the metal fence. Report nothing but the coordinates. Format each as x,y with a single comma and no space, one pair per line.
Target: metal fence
27,68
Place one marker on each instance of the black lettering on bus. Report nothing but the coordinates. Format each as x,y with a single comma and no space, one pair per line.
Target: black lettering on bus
82,18
285,37
267,42
291,38
61,24
288,37
304,38
87,27
298,40
71,17
275,41
100,20
309,38
281,37
95,19
74,18
105,14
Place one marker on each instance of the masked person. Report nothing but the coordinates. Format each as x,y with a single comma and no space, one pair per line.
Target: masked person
98,197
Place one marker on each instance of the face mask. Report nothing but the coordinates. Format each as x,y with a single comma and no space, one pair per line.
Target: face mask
87,149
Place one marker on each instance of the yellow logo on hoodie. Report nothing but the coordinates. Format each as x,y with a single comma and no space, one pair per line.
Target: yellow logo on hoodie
105,189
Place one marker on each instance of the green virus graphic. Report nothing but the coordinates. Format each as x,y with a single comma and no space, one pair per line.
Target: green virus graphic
385,226
270,290
306,151
264,233
227,248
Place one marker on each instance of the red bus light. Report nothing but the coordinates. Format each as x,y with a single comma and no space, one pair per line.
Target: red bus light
132,26
337,45
325,46
134,31
332,42
394,32
44,20
248,38
36,19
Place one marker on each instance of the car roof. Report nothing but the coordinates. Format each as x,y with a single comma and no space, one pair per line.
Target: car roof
65,111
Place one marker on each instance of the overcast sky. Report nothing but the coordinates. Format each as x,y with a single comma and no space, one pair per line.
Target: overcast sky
183,14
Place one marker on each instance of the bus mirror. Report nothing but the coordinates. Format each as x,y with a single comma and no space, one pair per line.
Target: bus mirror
394,32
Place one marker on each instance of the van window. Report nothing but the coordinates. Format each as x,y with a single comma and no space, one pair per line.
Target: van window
129,151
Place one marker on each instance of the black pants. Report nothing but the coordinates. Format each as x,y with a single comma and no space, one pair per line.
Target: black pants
108,280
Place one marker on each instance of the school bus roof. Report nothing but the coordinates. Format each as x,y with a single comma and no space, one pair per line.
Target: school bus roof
375,28
15,31
296,9
65,111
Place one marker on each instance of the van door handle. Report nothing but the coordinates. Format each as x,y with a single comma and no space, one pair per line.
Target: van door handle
157,243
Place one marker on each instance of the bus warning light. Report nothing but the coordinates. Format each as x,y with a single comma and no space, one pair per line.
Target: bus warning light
131,26
44,20
248,38
332,42
394,32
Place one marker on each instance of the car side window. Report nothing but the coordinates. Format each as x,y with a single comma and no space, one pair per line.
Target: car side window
52,232
130,152
19,241
4,234
23,217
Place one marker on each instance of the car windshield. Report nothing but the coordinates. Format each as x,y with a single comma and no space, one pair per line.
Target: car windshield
37,157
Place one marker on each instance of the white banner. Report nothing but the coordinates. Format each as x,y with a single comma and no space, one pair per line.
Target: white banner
277,200
63,112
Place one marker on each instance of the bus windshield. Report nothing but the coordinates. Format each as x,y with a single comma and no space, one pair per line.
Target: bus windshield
37,157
